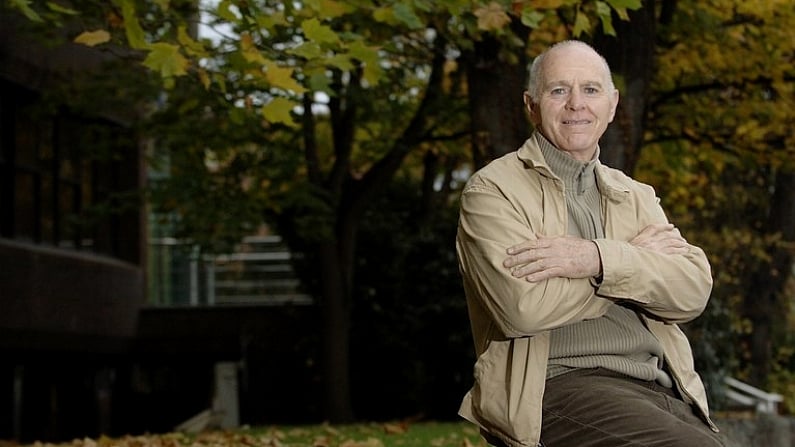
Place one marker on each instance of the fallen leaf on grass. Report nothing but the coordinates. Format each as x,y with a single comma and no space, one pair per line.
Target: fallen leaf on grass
396,428
321,441
370,442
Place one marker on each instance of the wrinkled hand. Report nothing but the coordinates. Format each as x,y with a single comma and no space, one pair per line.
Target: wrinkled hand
553,257
662,238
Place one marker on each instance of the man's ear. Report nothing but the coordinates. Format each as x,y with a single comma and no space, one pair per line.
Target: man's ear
532,109
615,105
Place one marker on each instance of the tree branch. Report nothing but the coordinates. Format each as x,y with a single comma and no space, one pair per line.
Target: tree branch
383,170
310,141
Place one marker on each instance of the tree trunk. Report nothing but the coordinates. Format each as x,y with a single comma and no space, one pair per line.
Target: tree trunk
631,56
352,199
499,123
336,317
765,303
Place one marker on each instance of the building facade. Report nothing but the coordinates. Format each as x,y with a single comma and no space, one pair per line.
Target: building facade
71,242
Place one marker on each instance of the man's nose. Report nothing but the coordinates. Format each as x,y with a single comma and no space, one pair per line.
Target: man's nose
575,101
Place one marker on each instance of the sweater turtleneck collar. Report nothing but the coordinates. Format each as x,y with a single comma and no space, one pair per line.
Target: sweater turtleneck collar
578,176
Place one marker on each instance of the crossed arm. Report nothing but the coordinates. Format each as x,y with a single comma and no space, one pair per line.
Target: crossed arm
571,257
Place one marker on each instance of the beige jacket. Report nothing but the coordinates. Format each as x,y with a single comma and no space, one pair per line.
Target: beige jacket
511,200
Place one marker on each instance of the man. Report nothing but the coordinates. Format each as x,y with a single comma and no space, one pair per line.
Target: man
575,283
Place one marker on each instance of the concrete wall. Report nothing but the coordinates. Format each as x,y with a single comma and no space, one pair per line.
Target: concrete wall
758,430
53,298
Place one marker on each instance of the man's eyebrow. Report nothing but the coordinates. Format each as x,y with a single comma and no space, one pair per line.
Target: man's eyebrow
557,83
592,83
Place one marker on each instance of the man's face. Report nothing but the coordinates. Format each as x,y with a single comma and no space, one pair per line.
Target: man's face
576,101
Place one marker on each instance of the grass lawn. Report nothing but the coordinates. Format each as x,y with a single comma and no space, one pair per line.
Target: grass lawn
421,434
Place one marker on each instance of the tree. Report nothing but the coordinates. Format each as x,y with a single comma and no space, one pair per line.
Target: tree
717,144
630,53
356,86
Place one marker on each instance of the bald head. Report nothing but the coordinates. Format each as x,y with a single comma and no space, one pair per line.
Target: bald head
537,67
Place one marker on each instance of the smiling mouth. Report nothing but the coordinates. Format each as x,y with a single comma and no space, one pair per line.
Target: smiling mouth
576,122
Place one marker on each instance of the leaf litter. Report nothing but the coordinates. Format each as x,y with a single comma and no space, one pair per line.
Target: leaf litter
391,434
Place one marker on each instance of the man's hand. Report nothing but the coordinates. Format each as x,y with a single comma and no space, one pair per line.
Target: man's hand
554,257
571,257
663,238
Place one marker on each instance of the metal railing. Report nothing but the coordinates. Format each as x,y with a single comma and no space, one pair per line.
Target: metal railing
259,272
749,396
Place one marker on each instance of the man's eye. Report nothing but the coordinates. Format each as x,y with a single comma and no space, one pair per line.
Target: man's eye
558,91
591,90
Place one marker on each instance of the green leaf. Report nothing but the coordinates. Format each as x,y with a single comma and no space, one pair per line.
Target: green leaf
373,73
368,56
191,46
225,11
278,111
61,9
385,14
268,21
162,4
308,50
605,15
404,13
92,38
628,4
621,6
341,61
332,9
531,18
320,82
165,58
581,24
314,30
24,7
132,28
220,80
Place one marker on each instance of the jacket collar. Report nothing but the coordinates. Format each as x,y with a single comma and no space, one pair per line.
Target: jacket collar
530,153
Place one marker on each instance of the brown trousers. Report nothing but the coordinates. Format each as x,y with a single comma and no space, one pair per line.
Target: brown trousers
601,408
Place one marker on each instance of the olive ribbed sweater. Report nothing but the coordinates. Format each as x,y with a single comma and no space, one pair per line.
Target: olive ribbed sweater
619,340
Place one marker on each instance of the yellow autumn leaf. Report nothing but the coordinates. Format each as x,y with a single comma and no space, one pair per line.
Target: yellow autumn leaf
547,4
166,59
282,77
333,8
395,428
492,17
191,46
315,31
384,14
249,50
370,442
92,38
278,111
162,4
132,27
204,78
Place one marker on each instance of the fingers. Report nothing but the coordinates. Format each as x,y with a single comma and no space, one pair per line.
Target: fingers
548,257
523,252
663,238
